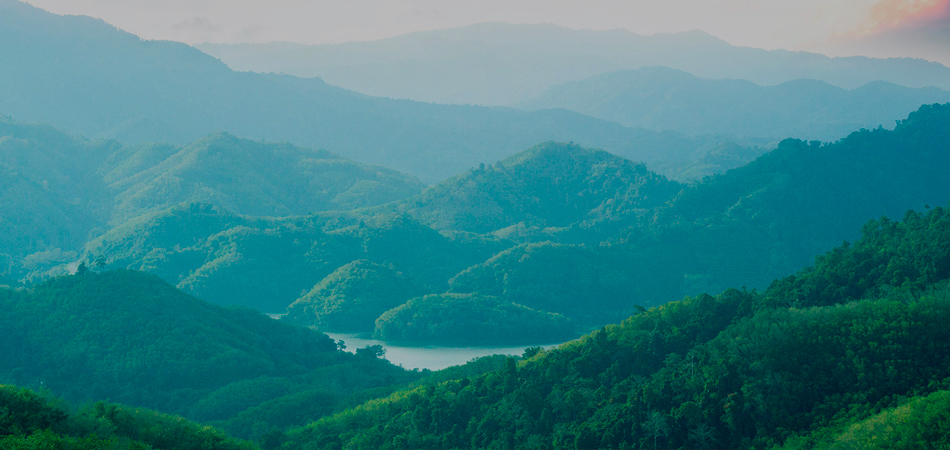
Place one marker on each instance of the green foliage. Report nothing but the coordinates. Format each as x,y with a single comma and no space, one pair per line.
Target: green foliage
734,371
922,422
551,185
29,421
352,297
470,320
132,338
908,255
247,177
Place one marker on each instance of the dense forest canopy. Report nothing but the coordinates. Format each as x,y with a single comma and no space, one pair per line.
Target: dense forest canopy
743,369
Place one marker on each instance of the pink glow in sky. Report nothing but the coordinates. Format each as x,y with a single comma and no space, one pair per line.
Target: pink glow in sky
790,24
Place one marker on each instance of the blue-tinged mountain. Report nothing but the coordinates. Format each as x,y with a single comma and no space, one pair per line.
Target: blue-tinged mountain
51,197
60,191
742,228
247,177
660,98
565,230
549,186
504,64
90,78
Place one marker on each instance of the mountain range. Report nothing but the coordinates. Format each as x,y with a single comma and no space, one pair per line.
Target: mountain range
89,78
506,64
660,98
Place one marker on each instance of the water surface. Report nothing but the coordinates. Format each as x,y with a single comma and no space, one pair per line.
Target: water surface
432,358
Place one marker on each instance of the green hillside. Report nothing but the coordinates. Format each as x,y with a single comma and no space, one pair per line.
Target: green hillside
739,370
87,77
131,338
268,263
60,191
550,185
566,230
33,421
247,177
51,199
659,98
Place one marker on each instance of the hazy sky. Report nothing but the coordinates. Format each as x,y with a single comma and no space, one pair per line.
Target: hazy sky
832,26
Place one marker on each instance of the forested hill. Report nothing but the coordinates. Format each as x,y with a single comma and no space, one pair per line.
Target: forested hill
852,348
659,98
134,339
247,177
60,191
743,228
34,420
90,78
550,185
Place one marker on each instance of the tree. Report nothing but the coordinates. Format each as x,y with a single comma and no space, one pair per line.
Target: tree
656,426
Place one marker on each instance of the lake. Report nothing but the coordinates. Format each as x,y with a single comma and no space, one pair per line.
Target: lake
432,358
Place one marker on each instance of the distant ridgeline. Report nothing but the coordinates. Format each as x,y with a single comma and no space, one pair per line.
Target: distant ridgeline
557,234
850,353
88,77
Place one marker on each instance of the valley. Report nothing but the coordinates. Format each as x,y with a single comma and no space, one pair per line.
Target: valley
488,236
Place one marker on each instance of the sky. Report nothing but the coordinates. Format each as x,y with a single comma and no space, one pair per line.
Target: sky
916,28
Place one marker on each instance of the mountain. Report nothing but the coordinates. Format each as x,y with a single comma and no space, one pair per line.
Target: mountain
660,98
52,201
134,339
550,185
504,64
743,369
566,230
89,78
60,191
247,177
268,263
742,228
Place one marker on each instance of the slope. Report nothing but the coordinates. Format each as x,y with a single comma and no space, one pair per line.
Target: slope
51,200
504,64
248,177
550,185
659,98
87,77
739,370
742,228
132,338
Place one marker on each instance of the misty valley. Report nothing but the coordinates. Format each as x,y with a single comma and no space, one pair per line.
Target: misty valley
497,236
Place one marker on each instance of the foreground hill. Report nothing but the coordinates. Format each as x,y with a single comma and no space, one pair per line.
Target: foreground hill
659,98
504,64
33,421
740,370
90,78
134,339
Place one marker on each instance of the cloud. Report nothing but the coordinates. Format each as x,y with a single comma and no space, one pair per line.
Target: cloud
898,28
887,15
200,24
